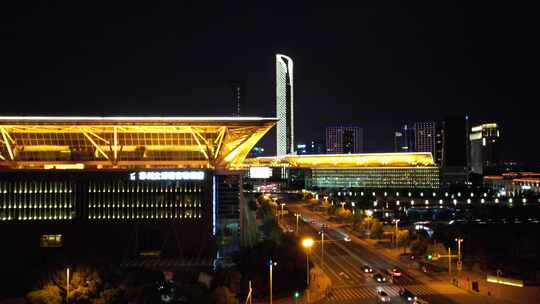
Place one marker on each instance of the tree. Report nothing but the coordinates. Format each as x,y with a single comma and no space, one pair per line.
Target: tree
376,229
49,294
403,237
419,247
343,213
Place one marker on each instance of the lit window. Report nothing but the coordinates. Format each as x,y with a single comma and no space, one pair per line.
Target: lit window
51,240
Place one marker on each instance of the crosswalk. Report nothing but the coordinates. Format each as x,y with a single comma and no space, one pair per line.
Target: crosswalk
369,292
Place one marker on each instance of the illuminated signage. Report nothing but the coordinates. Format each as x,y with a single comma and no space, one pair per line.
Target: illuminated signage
260,172
167,175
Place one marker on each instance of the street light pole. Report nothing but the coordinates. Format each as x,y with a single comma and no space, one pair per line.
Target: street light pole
67,285
396,234
307,243
297,216
282,204
459,240
322,248
271,264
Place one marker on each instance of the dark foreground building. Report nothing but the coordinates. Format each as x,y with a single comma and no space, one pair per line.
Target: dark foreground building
120,187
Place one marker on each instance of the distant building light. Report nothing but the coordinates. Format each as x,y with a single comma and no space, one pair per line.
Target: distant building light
167,175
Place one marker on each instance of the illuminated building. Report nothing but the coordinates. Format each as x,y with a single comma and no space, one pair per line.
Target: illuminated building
513,183
368,170
404,139
120,186
314,147
344,139
484,142
284,105
428,138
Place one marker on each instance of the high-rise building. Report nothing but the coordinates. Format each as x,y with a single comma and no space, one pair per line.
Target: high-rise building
485,140
455,156
284,105
314,147
428,138
455,141
404,139
239,98
344,139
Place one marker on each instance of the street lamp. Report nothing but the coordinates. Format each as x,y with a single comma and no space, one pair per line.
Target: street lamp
459,241
282,204
297,216
342,204
396,221
307,243
271,264
67,285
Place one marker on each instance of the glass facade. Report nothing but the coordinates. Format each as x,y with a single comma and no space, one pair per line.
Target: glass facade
410,177
64,196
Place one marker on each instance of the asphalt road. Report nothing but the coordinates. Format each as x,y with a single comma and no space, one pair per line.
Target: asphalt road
343,261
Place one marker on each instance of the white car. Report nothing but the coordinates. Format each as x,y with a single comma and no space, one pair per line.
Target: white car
382,296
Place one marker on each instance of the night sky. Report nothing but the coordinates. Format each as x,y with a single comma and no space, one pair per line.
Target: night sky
378,65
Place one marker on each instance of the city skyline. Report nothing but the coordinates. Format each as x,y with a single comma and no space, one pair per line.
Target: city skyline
410,65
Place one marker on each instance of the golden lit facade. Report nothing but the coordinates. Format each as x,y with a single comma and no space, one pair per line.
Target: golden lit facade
369,170
336,161
128,142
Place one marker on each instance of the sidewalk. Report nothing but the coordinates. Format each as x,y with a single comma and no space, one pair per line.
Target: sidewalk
488,292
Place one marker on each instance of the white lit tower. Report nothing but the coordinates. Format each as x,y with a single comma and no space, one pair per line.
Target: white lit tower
284,105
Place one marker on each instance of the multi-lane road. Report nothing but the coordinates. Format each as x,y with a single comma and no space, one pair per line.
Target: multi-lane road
343,262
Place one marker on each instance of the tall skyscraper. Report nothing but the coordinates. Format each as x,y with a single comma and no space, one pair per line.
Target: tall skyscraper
428,138
344,139
455,141
485,140
239,98
404,139
284,105
313,147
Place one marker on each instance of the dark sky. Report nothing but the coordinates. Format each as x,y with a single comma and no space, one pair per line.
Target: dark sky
377,65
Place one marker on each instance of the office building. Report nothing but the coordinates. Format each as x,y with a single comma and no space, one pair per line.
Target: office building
368,170
428,138
344,139
404,139
484,143
455,141
313,147
118,187
284,105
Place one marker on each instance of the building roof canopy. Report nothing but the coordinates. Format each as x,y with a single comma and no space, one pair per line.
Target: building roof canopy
127,142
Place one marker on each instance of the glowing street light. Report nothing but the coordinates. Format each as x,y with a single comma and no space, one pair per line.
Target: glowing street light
67,285
271,264
297,215
307,243
459,241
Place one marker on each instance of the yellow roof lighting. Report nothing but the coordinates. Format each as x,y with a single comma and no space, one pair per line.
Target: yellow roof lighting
419,159
127,142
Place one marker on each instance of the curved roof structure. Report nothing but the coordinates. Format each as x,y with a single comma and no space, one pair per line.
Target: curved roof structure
128,142
420,159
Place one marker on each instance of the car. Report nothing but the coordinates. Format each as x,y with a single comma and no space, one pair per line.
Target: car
379,278
367,269
347,238
408,296
382,296
396,272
